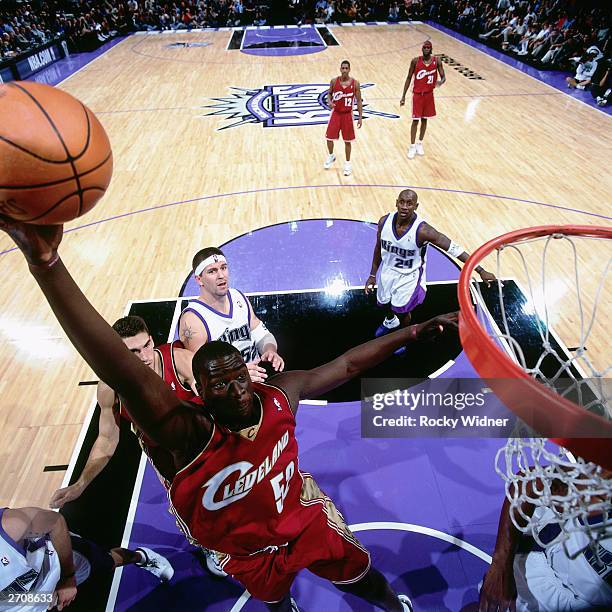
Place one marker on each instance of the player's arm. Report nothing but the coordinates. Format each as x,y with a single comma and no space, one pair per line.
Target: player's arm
32,523
441,72
359,103
265,341
192,331
499,587
330,94
309,384
426,233
102,450
411,70
150,402
376,258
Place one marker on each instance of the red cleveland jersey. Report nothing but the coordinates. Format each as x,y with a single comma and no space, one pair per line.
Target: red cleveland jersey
169,372
425,76
343,97
241,495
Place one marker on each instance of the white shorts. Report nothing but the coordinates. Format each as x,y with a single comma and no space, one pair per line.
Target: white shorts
404,291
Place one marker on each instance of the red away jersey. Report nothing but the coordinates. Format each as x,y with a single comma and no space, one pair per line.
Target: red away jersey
241,495
425,77
343,97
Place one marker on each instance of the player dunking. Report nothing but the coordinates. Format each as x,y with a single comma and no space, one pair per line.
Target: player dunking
398,262
425,70
343,91
237,486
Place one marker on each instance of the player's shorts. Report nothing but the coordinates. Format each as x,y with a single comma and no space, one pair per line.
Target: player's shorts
341,122
423,105
326,547
89,558
404,291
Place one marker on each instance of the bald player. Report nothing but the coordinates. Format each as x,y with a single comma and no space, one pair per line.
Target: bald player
398,262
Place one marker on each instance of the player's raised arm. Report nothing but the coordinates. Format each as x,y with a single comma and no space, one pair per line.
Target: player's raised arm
411,70
308,384
152,405
427,233
376,258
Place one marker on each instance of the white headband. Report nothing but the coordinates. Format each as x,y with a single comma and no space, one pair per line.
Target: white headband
209,260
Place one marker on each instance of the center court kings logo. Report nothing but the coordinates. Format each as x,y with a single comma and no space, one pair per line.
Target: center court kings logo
281,106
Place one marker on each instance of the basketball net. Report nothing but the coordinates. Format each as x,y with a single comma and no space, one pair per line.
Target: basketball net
551,387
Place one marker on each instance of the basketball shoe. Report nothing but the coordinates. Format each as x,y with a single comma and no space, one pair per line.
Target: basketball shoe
411,151
331,158
386,327
405,600
156,564
419,148
294,606
348,169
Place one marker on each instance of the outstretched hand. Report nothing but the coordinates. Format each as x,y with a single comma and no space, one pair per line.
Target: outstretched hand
38,243
487,277
438,325
498,590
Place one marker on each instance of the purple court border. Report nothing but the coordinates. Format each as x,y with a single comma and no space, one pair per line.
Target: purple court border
552,78
325,186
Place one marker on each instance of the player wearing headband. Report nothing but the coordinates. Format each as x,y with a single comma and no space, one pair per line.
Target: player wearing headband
425,70
224,313
398,263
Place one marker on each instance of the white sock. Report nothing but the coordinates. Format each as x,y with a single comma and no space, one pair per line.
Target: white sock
391,323
143,558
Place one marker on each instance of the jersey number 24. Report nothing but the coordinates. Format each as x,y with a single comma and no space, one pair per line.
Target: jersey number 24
403,263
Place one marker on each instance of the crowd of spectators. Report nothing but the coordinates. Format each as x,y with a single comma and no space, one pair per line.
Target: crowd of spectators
571,35
568,35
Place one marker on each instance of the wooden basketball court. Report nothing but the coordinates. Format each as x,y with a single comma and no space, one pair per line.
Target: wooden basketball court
506,151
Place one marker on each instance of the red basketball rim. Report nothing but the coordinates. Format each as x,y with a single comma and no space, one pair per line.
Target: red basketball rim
534,403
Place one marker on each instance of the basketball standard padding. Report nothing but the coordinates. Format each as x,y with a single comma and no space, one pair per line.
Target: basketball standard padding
55,157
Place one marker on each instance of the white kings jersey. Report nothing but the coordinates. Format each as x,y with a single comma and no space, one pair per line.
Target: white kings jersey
402,253
234,327
33,568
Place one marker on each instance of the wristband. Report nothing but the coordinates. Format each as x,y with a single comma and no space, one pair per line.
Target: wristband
372,276
47,264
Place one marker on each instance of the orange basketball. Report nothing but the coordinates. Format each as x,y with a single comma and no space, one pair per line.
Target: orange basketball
55,157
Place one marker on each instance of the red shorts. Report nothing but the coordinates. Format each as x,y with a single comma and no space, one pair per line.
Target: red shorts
423,106
340,122
326,547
